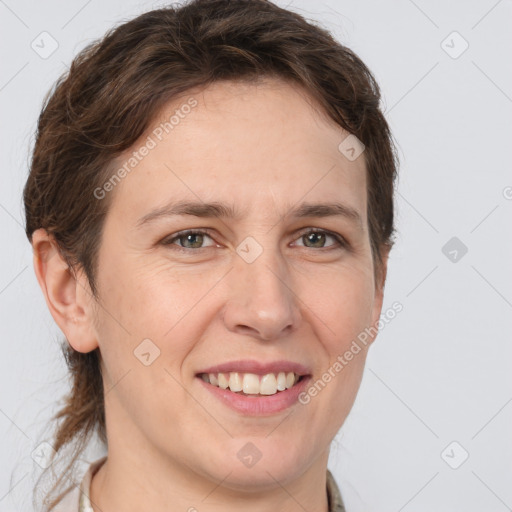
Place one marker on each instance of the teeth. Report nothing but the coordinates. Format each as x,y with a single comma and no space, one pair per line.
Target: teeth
281,381
235,381
268,384
223,381
252,384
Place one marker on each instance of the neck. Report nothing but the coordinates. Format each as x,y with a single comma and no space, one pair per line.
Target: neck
133,480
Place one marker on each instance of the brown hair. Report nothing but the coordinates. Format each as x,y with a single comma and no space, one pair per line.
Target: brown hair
113,90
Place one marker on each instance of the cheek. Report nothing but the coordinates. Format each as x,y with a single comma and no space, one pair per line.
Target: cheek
344,306
343,302
156,301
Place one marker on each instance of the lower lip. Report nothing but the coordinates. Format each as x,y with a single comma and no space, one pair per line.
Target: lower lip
258,405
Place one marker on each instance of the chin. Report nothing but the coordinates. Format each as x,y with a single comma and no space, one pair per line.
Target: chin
258,462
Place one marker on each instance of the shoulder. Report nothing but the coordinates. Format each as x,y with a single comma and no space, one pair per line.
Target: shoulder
77,500
70,501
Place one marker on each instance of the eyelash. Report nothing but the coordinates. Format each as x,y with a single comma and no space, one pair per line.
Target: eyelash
341,242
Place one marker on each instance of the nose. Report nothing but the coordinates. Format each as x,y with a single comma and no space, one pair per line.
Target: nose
262,302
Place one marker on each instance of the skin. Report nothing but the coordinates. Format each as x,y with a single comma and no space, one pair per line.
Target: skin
263,148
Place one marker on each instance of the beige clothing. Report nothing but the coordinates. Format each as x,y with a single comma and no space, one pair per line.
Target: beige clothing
78,500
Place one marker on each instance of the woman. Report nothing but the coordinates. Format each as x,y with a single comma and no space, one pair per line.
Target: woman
210,206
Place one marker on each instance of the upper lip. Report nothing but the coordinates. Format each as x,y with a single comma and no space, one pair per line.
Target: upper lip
257,367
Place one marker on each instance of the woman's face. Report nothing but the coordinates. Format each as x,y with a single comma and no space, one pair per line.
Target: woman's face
252,170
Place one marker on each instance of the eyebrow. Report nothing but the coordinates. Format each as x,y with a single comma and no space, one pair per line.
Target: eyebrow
226,211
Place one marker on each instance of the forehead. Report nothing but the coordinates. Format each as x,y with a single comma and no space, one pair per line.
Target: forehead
257,145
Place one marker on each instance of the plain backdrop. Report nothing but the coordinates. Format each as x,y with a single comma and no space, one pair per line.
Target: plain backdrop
431,427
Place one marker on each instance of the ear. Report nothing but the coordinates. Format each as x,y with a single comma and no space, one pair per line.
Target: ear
379,289
69,300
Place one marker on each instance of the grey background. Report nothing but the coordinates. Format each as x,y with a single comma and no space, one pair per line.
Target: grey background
440,371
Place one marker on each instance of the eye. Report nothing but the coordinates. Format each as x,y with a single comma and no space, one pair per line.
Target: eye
190,239
317,238
200,239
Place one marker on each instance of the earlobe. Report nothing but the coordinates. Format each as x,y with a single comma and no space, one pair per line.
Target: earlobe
69,306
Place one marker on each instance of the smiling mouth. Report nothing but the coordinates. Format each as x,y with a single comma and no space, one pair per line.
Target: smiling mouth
251,384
